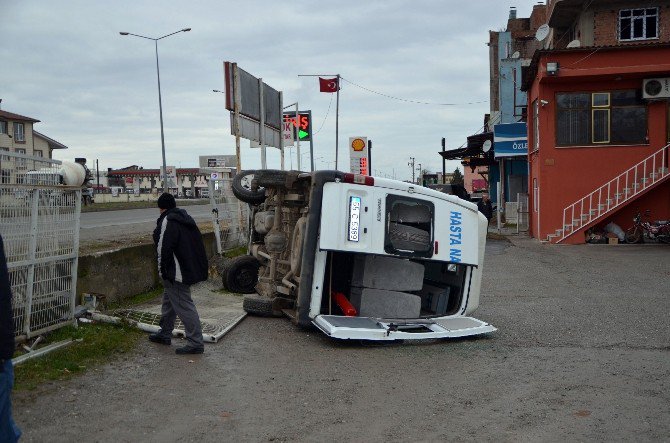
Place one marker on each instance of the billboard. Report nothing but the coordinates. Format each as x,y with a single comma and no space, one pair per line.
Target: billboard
217,161
171,176
245,90
510,140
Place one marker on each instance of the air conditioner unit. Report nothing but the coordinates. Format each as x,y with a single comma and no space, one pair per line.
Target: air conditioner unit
656,88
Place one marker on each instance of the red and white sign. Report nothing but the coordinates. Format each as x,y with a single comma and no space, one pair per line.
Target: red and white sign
287,132
358,155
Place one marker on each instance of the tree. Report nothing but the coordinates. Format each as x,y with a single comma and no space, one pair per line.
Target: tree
457,177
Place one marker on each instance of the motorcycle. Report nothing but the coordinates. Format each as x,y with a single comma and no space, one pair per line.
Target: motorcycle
648,230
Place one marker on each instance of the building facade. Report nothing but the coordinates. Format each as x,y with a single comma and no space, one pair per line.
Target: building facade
18,135
597,134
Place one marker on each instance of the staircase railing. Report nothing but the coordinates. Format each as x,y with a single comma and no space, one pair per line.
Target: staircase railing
615,192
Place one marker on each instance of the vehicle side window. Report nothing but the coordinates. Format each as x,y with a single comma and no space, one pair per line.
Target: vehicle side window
409,226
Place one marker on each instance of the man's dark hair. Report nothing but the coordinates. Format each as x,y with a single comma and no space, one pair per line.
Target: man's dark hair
166,201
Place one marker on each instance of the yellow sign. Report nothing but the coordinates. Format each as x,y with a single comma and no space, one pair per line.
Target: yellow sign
358,144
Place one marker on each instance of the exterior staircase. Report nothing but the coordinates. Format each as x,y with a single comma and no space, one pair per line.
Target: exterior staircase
593,207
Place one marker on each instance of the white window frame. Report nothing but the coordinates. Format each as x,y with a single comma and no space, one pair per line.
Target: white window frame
642,17
3,127
19,132
38,153
21,162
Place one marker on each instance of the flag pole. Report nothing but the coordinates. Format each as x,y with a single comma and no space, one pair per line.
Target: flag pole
337,109
337,122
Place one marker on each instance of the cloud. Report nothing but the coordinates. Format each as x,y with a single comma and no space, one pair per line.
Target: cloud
96,91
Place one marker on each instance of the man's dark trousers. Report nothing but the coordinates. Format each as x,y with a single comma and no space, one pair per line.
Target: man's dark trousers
177,301
9,432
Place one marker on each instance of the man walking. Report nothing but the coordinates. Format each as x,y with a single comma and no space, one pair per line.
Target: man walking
181,262
484,206
9,432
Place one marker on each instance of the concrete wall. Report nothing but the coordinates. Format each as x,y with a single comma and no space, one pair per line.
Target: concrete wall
126,272
125,197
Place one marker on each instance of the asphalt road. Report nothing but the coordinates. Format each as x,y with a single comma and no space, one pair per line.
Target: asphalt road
582,353
114,225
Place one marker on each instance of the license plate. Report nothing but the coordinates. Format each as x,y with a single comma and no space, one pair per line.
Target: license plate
354,218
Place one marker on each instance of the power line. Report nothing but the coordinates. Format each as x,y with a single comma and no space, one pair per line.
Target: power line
408,100
326,117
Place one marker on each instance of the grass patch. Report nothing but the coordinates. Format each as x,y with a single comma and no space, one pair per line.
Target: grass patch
101,343
242,250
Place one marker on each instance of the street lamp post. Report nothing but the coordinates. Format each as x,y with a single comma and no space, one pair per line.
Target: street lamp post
160,102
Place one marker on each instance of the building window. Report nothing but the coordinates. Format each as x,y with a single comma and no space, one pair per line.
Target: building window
21,162
638,24
615,117
19,134
3,127
5,176
37,153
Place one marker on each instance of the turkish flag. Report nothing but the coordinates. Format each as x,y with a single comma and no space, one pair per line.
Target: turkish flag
328,84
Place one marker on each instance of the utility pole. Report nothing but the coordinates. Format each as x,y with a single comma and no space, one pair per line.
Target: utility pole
444,172
411,164
420,174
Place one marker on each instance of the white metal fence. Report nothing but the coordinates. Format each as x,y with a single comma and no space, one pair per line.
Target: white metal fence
523,214
229,215
39,224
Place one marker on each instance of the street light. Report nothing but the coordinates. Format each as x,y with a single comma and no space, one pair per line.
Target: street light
160,103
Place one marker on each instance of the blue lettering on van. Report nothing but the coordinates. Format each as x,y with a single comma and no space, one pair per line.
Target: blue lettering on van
455,236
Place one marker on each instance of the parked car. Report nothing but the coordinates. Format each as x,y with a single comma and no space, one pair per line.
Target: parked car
360,257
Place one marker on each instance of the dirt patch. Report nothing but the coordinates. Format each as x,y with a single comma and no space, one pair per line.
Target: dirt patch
583,341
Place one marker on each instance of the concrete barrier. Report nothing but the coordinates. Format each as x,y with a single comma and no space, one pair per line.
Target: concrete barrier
125,272
124,197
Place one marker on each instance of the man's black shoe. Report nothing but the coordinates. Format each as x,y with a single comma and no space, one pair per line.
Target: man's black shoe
157,338
188,349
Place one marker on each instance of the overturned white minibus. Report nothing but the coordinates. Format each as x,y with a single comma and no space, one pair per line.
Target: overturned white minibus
360,257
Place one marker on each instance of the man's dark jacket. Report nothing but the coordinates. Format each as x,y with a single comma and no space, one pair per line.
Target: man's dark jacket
181,253
485,208
6,320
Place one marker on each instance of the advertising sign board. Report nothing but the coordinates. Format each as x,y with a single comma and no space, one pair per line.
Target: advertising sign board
171,176
510,140
358,154
256,101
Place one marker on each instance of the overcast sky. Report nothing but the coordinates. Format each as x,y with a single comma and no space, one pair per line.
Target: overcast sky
65,64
